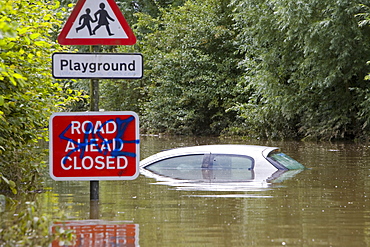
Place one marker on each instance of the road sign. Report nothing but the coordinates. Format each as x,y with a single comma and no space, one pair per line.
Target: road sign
96,23
94,146
97,65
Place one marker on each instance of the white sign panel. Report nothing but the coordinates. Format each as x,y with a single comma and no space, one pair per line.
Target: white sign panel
106,24
97,65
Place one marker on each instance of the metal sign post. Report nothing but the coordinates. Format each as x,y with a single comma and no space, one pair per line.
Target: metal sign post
94,106
83,146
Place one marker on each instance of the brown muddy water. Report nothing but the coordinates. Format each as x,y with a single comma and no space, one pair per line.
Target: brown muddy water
326,205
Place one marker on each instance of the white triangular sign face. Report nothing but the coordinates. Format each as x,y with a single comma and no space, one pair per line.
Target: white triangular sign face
96,23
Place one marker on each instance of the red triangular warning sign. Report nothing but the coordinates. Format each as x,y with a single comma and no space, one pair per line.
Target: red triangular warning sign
95,22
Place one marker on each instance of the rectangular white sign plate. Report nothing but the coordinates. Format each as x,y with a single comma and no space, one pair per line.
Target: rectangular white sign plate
97,65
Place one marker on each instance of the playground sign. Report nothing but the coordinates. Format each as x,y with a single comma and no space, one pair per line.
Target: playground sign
96,23
97,65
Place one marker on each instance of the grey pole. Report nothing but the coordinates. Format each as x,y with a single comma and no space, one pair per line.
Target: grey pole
94,106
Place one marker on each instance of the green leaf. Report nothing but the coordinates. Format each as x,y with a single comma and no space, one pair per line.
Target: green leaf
34,36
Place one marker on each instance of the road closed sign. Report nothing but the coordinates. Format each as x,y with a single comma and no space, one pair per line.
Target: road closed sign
94,146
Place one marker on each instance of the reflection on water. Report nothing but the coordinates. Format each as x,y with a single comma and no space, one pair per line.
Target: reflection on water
326,205
97,233
233,196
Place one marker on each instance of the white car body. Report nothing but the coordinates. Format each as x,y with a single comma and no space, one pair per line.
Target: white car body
263,169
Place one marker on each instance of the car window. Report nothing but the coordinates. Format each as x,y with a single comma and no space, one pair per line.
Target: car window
226,161
179,162
283,161
188,167
215,167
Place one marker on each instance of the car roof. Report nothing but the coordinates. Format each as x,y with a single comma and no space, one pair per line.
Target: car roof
254,151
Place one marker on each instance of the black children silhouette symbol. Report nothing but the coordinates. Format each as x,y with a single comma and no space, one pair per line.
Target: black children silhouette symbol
101,16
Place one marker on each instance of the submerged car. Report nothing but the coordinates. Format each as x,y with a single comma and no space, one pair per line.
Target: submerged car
220,163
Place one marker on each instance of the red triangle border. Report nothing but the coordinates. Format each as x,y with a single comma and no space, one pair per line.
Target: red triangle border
131,40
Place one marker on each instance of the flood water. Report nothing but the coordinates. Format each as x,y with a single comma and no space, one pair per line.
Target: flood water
326,205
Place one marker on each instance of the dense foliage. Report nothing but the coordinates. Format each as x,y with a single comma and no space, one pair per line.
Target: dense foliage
28,94
306,64
191,69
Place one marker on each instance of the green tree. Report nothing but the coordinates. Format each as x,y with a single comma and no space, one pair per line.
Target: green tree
190,70
130,94
28,93
305,63
150,7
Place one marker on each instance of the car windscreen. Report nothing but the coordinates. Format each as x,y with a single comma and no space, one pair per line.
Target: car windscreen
178,163
283,162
